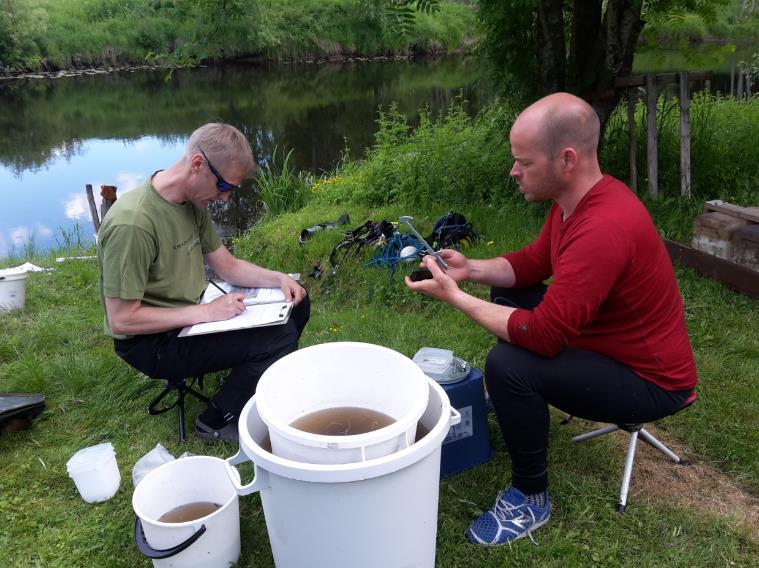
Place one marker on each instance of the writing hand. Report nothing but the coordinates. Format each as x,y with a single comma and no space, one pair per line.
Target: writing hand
225,307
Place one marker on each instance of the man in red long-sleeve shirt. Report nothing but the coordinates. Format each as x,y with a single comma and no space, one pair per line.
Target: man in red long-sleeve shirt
605,341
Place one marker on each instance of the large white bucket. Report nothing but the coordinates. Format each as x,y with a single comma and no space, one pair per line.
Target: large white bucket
12,289
380,513
209,542
342,374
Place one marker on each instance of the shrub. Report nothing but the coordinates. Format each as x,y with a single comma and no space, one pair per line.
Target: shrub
451,160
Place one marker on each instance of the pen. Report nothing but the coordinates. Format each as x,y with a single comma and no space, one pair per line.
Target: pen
215,285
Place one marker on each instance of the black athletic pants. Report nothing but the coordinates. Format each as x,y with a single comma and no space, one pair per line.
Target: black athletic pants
582,383
246,352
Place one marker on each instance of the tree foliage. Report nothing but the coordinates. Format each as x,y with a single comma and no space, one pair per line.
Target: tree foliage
402,13
21,21
580,46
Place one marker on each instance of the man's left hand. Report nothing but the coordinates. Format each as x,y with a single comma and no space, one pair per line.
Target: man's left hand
440,286
292,289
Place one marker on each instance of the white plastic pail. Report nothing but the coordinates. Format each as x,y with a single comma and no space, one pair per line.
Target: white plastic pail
334,375
95,472
380,513
209,542
12,289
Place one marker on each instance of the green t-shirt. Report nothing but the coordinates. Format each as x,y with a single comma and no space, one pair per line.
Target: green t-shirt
152,250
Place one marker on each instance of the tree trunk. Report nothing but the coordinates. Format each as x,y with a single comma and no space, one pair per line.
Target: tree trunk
618,36
551,51
587,50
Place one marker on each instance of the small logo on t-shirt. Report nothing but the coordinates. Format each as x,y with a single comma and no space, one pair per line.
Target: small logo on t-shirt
191,242
524,328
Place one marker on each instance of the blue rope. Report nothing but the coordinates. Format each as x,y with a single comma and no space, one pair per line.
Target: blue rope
389,256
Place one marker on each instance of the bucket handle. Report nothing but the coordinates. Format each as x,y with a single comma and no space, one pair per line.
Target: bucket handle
150,552
455,416
260,475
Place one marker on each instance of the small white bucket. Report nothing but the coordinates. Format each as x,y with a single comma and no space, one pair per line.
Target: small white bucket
12,289
335,375
210,541
95,472
380,513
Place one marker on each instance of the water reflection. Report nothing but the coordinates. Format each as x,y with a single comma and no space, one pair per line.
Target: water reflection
58,135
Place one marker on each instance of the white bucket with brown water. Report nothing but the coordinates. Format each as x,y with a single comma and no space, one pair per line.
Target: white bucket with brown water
379,513
346,376
197,482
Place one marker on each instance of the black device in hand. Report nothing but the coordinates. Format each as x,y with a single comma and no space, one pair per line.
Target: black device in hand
421,274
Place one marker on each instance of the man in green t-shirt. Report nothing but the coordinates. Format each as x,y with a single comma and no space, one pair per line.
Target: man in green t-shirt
152,248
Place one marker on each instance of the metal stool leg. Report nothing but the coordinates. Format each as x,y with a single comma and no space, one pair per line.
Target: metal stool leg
180,410
628,472
596,433
182,388
651,441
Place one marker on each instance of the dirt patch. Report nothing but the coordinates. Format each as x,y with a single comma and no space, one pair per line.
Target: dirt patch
696,486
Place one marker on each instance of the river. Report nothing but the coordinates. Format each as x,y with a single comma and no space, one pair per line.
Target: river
58,135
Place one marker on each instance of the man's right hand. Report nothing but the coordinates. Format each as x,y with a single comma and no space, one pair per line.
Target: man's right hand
458,266
225,307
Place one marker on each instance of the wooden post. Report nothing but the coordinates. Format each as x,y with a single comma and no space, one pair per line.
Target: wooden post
108,193
93,208
633,141
651,136
684,135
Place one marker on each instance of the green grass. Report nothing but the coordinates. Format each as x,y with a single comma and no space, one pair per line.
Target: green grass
42,34
682,28
56,346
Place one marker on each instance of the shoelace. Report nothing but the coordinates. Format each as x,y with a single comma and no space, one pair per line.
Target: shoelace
504,511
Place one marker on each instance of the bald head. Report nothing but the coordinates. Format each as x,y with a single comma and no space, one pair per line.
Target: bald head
559,121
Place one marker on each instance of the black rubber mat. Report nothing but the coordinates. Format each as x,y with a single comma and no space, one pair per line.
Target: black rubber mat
18,410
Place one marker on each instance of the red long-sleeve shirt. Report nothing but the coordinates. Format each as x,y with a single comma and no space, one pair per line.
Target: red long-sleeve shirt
613,289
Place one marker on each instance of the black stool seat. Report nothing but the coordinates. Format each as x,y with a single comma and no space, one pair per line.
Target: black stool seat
182,387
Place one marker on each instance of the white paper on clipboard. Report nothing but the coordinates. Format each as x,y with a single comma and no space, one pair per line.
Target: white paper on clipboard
260,315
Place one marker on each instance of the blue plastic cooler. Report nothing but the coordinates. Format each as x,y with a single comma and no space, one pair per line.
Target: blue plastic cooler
467,443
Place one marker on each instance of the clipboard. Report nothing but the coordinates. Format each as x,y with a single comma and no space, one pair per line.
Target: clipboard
258,315
253,296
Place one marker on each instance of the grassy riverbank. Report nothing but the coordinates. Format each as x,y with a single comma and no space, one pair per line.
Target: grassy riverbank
697,516
53,34
730,24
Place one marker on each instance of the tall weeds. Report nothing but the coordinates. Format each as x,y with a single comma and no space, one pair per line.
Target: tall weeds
281,188
457,161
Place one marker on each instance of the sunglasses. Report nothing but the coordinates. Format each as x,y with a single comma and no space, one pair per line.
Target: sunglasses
221,184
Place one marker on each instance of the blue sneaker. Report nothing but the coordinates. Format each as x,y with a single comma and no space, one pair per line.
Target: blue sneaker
510,519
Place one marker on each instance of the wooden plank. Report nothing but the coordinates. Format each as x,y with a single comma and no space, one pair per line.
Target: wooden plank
108,193
661,79
93,208
732,275
685,182
749,214
651,136
632,139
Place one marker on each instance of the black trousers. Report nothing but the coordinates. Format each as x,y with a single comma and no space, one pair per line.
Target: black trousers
580,382
246,352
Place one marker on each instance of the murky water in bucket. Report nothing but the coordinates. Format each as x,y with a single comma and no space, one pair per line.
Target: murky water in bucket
421,432
189,512
342,421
